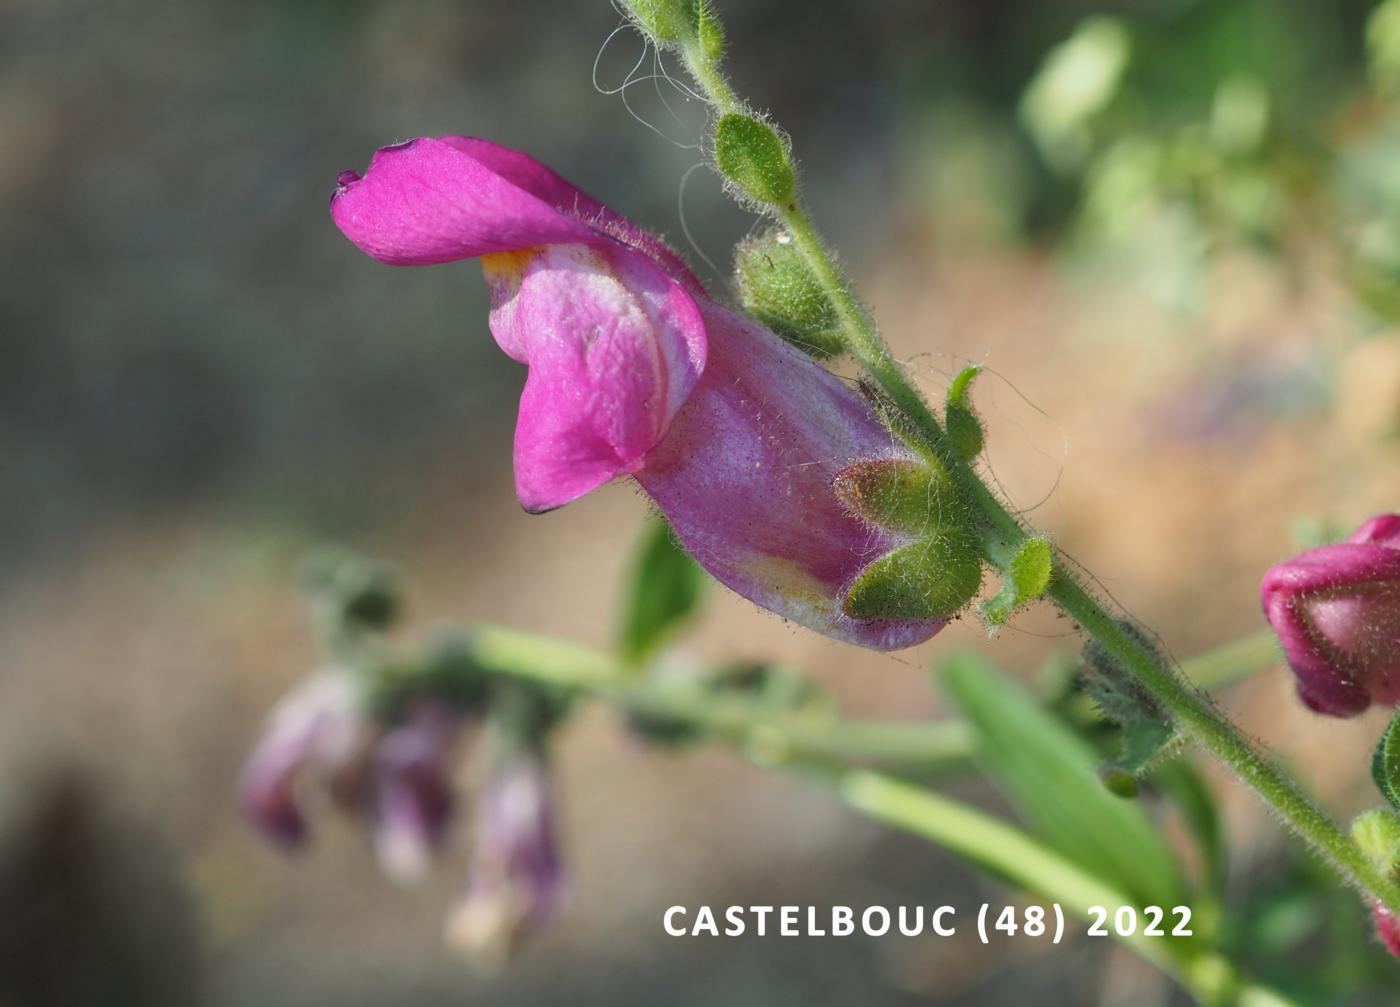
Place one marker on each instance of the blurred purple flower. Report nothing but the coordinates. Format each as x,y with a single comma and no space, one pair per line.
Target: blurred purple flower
515,883
316,729
633,370
413,797
1336,609
398,779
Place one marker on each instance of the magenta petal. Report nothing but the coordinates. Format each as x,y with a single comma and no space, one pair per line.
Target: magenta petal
614,347
745,478
430,201
426,201
1336,610
1384,529
549,187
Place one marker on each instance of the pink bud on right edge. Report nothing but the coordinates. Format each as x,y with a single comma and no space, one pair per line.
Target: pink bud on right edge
1336,610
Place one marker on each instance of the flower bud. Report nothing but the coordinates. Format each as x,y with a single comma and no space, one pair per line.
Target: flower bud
1377,832
777,287
1387,927
751,154
664,20
317,729
413,797
515,883
1336,610
672,22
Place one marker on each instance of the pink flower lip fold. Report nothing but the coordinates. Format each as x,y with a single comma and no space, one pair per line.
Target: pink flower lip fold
634,371
1336,610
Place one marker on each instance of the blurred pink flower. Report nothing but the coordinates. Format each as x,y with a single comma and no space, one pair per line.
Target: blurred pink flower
319,738
515,882
633,370
1336,609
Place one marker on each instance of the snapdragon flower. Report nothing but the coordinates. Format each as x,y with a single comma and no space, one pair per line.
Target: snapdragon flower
1336,610
635,371
320,739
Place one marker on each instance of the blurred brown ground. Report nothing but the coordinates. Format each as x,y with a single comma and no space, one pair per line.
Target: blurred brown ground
201,381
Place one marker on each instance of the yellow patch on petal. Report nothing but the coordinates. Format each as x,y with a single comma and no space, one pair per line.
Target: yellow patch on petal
508,267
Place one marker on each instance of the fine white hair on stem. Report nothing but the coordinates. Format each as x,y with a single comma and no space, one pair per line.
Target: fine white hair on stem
633,77
685,224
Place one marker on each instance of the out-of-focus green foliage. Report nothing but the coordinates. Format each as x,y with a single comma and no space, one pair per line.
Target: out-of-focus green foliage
1049,774
665,587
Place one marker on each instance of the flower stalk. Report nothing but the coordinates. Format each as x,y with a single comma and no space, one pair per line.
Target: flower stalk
1003,533
821,749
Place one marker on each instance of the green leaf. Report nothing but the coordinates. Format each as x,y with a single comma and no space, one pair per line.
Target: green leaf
1026,580
665,587
964,428
750,154
1049,775
1143,741
1183,785
1385,764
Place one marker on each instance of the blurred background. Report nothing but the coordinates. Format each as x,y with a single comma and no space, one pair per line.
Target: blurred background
1171,229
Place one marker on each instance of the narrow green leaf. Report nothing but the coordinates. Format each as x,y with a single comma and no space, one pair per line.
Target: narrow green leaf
1049,774
1183,785
964,427
1385,764
665,588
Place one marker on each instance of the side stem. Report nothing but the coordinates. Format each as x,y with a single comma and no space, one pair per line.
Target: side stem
1190,707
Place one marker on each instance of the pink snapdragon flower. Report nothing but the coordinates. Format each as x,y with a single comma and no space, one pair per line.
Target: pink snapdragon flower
1336,609
635,371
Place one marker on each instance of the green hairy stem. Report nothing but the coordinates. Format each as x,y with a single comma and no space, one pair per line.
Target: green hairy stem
820,747
1003,532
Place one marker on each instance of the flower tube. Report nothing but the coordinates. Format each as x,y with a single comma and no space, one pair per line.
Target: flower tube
634,371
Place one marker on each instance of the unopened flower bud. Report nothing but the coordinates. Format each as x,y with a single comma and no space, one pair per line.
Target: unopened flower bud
317,729
1336,610
1377,832
664,20
515,883
1387,927
751,154
413,797
672,23
777,287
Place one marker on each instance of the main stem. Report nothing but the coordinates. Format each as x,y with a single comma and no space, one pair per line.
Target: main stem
1004,532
